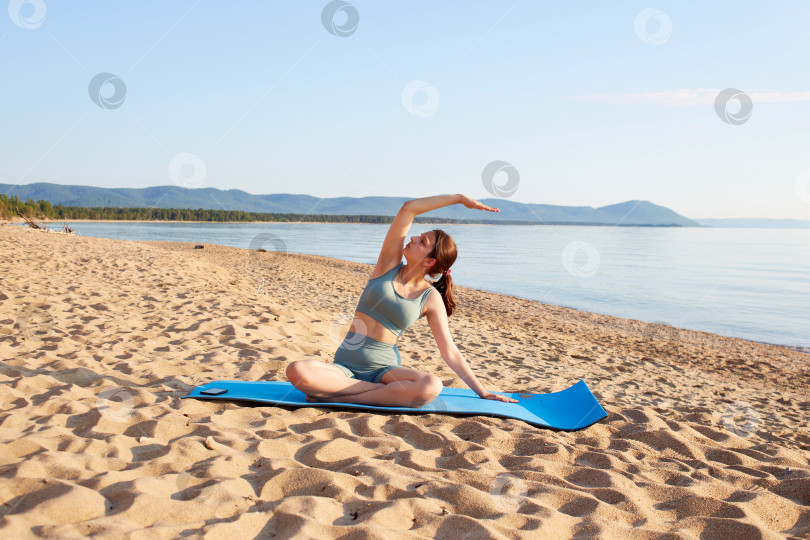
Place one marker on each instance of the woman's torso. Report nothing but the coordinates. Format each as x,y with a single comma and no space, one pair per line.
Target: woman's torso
366,325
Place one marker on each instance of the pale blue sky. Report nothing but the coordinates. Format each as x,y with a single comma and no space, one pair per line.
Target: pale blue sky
588,103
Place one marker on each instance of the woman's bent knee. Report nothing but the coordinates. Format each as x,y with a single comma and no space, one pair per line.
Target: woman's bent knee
429,388
306,372
434,384
297,371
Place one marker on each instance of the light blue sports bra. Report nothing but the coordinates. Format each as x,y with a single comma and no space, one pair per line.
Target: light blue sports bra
383,303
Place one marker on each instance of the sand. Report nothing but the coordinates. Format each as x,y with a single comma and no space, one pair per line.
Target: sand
706,436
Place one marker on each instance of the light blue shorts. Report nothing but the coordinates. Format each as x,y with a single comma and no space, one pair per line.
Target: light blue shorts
366,359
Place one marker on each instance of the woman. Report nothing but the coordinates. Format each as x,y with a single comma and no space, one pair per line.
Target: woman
367,367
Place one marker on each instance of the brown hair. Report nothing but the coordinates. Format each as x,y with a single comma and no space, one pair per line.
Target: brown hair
444,251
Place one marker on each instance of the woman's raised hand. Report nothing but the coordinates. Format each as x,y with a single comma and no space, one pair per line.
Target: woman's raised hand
475,205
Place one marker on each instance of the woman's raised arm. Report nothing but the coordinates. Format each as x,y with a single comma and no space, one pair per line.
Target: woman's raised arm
426,204
391,251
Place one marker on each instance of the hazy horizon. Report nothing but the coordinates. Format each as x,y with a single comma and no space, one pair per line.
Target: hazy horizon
486,197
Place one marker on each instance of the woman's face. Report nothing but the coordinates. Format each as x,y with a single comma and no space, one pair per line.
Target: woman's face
420,246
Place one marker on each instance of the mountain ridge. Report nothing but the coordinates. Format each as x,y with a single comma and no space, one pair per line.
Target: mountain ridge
634,212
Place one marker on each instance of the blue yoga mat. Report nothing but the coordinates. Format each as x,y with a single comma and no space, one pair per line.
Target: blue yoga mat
570,409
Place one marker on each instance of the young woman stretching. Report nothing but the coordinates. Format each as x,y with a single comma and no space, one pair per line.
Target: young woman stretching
367,367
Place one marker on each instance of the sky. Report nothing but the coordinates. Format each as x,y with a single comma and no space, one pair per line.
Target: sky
700,107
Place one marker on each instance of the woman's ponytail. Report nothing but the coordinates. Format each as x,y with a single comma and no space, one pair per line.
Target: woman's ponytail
444,251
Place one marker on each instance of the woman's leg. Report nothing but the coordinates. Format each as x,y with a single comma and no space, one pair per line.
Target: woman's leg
321,379
401,387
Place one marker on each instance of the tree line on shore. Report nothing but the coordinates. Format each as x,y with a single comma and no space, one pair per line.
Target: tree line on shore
44,210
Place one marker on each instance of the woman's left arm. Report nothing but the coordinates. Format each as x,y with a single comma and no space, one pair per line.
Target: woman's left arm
437,319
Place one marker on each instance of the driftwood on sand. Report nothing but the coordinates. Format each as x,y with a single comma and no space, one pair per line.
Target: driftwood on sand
34,225
31,223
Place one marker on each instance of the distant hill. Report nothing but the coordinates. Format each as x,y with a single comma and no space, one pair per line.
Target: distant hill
759,223
642,213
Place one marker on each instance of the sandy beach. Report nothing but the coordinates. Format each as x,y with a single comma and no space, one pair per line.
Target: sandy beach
706,436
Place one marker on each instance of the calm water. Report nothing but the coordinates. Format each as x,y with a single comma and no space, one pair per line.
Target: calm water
748,283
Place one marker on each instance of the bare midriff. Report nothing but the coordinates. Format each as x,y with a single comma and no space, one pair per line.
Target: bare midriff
366,326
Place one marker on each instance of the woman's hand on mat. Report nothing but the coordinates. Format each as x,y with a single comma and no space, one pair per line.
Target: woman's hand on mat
498,397
475,205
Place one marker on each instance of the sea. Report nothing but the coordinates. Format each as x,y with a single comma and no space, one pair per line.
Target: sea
745,283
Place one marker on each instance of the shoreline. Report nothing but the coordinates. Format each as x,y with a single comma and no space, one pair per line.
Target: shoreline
654,334
799,349
22,221
17,220
795,348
